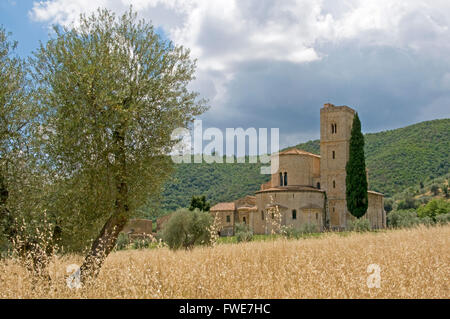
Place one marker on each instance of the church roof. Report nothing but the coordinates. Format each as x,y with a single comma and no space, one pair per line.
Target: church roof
223,206
296,151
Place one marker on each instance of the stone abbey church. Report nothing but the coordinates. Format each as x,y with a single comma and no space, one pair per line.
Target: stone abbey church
307,188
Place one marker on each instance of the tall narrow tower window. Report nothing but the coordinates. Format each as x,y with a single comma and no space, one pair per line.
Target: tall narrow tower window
333,128
334,154
281,179
285,179
334,184
294,214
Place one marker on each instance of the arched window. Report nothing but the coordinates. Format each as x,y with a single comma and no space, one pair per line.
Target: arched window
318,185
285,179
333,128
294,214
334,154
281,179
244,220
262,215
334,184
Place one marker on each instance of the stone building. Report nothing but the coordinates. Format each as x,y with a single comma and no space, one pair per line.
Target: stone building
307,188
138,228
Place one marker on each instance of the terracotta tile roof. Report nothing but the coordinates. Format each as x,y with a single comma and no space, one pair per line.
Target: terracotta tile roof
223,206
296,151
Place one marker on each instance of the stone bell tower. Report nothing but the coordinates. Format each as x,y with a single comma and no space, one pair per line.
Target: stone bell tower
335,131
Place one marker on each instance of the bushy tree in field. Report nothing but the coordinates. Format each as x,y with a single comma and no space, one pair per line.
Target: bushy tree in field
243,232
434,208
13,120
200,203
402,219
187,228
356,178
22,183
359,225
111,93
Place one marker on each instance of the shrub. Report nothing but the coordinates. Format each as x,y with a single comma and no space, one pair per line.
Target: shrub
291,232
308,228
425,199
434,189
408,203
142,243
445,190
186,228
427,221
359,225
434,208
402,219
443,219
122,241
388,203
243,232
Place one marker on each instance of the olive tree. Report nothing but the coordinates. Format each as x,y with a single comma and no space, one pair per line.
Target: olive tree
16,123
112,91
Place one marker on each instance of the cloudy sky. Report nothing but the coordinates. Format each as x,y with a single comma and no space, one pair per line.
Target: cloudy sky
275,63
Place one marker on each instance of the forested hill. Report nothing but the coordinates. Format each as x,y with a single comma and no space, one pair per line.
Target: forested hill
396,159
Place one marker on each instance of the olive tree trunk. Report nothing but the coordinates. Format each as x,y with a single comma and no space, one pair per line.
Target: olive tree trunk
106,240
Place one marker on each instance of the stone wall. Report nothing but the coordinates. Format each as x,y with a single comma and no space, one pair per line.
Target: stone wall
138,227
308,206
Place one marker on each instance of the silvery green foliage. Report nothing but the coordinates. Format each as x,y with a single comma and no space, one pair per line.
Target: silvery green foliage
243,232
359,225
187,228
443,219
111,92
402,219
21,180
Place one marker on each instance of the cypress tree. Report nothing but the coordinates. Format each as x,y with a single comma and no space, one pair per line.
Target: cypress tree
356,179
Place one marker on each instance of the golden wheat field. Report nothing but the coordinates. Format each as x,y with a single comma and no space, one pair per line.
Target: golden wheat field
414,263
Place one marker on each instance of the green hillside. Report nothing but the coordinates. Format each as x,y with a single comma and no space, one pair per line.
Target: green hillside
218,182
396,159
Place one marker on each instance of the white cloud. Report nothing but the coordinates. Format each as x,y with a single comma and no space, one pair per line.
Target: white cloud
225,34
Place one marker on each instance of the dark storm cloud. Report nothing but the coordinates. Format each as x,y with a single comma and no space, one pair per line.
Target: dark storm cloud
274,64
389,87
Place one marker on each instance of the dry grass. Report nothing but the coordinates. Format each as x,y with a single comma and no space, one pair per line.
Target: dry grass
414,264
